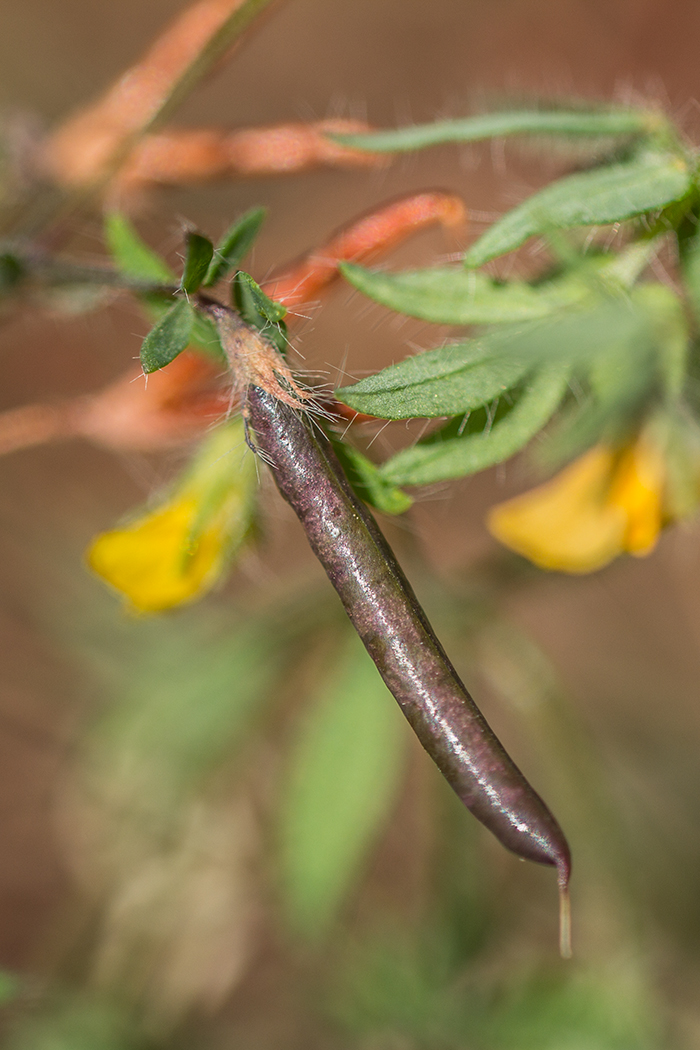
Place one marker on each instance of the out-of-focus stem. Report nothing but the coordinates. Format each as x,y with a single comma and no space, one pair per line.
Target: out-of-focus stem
89,147
186,156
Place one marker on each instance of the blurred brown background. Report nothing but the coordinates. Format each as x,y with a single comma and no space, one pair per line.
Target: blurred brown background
626,641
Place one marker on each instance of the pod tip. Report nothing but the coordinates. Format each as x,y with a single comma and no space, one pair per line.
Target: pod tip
564,918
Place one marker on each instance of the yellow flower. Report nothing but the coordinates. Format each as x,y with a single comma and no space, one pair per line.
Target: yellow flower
605,503
178,551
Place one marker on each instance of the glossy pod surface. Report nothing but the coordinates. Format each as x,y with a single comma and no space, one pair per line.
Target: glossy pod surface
385,612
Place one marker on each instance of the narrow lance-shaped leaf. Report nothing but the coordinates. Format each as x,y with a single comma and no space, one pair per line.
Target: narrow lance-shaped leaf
367,481
453,295
443,382
497,125
459,456
235,245
199,252
132,255
168,338
460,377
342,781
605,195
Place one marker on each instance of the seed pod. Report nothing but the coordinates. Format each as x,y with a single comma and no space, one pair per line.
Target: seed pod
395,631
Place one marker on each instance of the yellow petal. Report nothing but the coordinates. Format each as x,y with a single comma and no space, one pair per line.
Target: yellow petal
151,561
567,524
638,489
178,551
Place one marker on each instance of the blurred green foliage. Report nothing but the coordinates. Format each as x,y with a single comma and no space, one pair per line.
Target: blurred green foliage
245,799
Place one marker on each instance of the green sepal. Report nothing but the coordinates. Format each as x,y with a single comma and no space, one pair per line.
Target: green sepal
170,336
611,122
367,481
607,194
132,255
235,245
342,780
223,477
258,310
250,292
489,436
198,256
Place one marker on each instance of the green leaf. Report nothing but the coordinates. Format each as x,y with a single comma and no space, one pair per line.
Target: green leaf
689,250
12,270
452,295
367,481
132,256
610,1008
197,259
460,377
341,783
606,194
399,982
455,457
206,338
192,697
10,987
168,338
498,125
251,292
259,310
641,357
80,1022
443,382
235,245
670,332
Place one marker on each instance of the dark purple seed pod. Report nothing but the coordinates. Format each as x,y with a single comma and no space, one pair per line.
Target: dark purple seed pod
388,618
